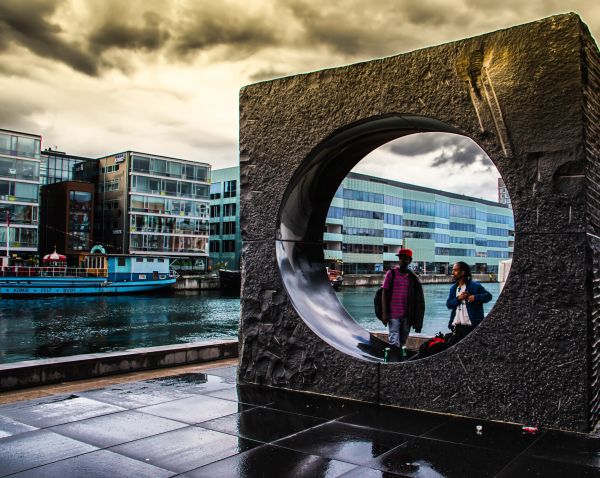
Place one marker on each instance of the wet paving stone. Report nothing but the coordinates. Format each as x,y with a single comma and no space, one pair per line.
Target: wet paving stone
185,449
245,394
137,396
340,441
10,427
421,457
98,464
396,420
117,428
494,435
52,411
196,383
195,409
364,472
269,461
531,467
29,450
313,405
262,424
568,447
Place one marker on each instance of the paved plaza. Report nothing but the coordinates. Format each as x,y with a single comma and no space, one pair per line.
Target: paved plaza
198,423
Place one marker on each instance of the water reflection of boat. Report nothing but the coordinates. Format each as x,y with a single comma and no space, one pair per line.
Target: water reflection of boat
230,280
335,278
96,274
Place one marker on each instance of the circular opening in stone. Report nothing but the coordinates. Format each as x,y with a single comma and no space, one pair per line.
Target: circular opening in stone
321,224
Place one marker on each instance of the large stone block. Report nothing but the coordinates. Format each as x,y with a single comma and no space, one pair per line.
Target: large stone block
528,95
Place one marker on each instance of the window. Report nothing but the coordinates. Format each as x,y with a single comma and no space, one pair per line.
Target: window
422,224
496,231
363,196
110,169
214,246
215,229
410,206
467,212
363,214
215,191
109,186
416,235
459,226
363,248
335,212
228,246
139,259
229,227
394,219
461,240
215,210
121,262
392,233
229,209
140,164
363,231
229,190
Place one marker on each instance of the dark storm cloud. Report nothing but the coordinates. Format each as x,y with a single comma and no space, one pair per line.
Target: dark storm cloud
151,35
447,149
209,26
27,24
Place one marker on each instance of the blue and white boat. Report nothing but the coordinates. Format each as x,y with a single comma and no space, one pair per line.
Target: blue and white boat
97,274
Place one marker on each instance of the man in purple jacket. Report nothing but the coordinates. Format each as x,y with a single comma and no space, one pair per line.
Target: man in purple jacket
403,300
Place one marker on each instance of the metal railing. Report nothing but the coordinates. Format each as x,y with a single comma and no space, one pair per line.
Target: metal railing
22,271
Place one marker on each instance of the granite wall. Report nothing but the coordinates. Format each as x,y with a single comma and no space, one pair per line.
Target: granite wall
528,95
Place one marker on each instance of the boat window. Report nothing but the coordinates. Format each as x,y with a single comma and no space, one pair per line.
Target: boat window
149,260
161,260
139,259
121,261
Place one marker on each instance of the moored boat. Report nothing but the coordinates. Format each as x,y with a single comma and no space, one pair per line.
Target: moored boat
335,278
97,274
230,280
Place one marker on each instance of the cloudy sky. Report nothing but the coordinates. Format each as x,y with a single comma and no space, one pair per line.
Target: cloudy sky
162,76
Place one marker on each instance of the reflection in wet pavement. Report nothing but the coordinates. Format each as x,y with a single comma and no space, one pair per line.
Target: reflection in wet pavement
203,425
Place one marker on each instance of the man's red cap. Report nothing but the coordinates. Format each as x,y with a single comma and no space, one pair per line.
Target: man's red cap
406,252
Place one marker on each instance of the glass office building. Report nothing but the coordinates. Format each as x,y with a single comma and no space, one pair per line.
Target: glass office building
153,205
19,192
370,218
225,237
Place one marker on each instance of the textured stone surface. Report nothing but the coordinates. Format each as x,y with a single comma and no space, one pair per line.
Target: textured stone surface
528,96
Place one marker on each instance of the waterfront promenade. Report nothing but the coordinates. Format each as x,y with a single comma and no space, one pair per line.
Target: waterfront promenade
194,421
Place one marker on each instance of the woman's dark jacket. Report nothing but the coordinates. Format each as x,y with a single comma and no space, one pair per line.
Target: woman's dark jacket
475,309
415,307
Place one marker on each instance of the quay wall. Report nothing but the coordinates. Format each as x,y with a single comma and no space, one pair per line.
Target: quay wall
196,282
33,373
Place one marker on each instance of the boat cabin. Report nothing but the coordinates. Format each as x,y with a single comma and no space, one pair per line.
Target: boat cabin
135,268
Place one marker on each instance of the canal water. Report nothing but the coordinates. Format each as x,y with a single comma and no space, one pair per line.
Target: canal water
56,327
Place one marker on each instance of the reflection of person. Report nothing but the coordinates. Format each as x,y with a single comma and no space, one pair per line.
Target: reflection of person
465,301
405,307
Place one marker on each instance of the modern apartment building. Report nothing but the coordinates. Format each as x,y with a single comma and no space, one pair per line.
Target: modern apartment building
149,204
58,166
225,237
370,218
19,193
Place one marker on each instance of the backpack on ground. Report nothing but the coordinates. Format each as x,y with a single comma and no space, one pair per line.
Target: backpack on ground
378,300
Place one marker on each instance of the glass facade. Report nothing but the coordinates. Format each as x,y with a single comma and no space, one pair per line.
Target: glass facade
80,216
225,238
370,218
19,192
58,167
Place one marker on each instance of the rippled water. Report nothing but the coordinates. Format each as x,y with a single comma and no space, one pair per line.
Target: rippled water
359,302
55,327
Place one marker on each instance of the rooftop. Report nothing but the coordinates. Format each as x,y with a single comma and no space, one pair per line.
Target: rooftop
195,422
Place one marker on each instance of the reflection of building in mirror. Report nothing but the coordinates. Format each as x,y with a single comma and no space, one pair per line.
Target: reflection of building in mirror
370,218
